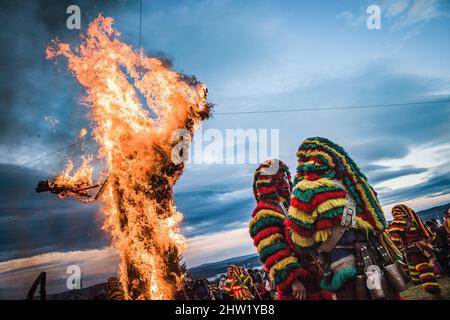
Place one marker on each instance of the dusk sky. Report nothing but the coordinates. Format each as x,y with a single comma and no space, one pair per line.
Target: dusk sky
253,56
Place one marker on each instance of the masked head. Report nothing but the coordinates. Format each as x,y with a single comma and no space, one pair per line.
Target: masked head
403,212
272,182
233,271
320,158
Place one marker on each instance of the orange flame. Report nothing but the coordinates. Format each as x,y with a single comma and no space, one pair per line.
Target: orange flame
83,133
136,143
80,179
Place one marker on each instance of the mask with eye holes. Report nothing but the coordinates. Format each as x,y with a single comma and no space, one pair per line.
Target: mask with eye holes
326,162
272,182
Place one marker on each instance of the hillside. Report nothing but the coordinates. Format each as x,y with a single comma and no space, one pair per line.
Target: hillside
208,270
434,213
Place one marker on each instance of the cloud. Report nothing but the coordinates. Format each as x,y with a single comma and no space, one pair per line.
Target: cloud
427,155
380,149
399,13
97,265
32,223
437,184
418,204
394,8
372,167
386,174
209,211
16,276
31,86
424,171
218,246
420,11
233,196
351,19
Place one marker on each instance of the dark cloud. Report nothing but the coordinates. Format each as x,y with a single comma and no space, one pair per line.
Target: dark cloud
32,87
32,223
400,126
377,83
373,167
380,149
216,203
436,185
379,176
25,37
211,211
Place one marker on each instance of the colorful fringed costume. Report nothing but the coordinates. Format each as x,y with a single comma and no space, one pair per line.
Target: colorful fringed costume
326,183
238,284
272,188
447,225
411,235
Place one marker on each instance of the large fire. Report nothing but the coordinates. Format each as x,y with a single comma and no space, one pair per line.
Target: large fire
135,139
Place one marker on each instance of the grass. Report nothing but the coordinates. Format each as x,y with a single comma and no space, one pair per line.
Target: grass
417,293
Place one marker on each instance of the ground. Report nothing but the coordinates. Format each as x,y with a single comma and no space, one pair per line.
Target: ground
98,292
417,293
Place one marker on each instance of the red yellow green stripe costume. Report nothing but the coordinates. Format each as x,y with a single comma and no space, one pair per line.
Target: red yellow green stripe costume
268,230
326,178
325,181
411,235
238,284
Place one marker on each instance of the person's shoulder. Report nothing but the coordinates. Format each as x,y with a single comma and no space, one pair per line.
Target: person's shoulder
266,207
310,194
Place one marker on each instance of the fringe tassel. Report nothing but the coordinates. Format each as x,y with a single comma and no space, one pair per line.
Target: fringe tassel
339,278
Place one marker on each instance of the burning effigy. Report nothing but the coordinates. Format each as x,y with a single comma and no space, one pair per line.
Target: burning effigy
136,104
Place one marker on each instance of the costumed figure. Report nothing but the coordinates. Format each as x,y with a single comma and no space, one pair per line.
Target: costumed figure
272,189
221,286
336,212
238,284
188,286
414,239
447,225
440,247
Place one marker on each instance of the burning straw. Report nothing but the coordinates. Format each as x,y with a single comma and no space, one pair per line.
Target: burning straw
135,141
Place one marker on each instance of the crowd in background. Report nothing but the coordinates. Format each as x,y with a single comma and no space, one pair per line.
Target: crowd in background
441,244
261,287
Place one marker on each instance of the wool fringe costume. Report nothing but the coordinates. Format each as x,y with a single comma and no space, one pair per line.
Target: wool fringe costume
328,185
414,239
238,283
268,230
